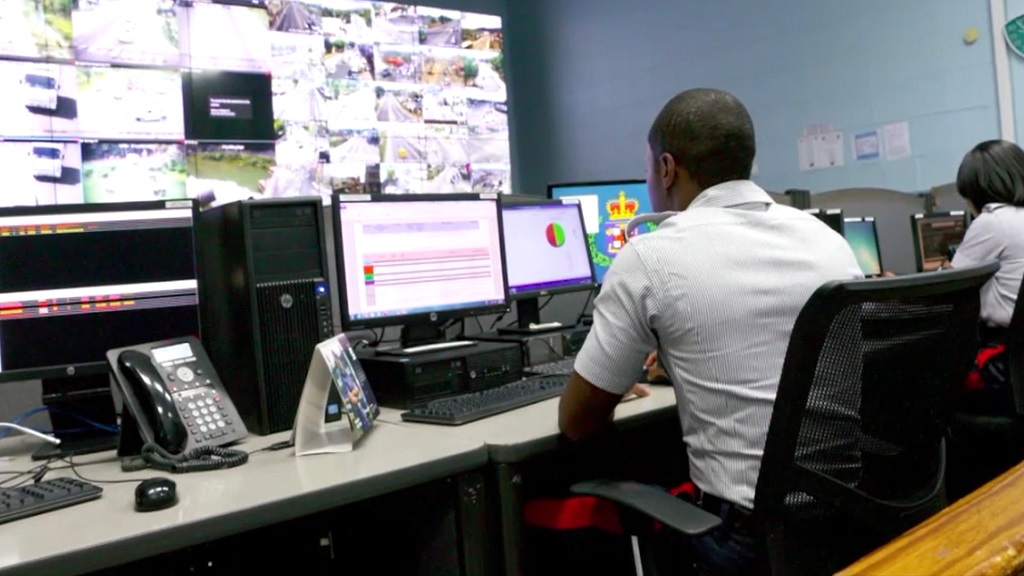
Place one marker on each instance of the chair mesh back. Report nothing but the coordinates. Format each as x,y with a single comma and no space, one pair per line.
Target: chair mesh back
867,391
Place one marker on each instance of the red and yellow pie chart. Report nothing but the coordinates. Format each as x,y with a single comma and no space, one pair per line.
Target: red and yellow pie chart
556,234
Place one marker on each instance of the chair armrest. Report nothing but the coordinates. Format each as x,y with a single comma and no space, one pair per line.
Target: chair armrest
652,502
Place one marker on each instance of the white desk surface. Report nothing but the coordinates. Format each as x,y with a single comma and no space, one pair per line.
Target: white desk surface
520,434
272,487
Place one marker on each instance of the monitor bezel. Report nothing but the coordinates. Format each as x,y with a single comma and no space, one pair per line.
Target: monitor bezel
878,245
348,324
915,231
567,289
819,212
100,366
628,181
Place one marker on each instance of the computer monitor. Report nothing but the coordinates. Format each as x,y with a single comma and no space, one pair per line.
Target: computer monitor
546,252
832,217
607,208
417,261
936,237
78,280
862,235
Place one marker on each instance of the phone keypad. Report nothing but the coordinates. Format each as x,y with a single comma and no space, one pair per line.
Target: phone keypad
205,415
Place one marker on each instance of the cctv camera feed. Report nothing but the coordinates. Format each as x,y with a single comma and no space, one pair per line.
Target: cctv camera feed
115,100
129,171
224,173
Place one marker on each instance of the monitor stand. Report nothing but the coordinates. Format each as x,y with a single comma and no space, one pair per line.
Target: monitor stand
423,338
528,319
89,397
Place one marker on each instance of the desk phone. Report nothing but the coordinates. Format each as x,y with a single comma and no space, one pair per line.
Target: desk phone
176,408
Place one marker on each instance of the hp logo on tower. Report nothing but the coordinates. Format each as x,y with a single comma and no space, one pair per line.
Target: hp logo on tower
287,301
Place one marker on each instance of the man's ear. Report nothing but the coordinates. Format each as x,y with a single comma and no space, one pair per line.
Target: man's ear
667,170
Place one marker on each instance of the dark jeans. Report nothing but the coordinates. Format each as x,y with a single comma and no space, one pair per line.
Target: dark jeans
729,550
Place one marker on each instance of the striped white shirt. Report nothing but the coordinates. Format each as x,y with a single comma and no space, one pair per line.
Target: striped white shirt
716,290
996,234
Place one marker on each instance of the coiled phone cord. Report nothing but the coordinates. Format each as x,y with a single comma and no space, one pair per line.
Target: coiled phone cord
202,459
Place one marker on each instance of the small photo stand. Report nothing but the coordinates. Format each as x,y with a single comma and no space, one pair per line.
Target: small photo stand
334,363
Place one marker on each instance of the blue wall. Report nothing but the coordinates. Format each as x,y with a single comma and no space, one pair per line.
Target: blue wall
609,65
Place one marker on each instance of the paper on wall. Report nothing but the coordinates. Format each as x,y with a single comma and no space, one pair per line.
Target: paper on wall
867,145
805,151
821,151
817,129
897,140
828,150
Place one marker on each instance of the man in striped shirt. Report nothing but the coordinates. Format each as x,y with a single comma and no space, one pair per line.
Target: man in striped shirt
716,291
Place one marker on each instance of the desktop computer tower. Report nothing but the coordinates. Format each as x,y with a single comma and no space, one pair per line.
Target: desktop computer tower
265,303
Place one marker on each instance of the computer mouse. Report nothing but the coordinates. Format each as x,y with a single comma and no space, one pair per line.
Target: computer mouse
155,494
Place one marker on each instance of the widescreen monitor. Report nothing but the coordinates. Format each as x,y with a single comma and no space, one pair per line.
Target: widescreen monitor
274,98
936,237
862,235
418,260
80,280
832,217
607,209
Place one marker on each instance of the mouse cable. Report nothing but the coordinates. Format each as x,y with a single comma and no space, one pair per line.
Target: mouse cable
74,470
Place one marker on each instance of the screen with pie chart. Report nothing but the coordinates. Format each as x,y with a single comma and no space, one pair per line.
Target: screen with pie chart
556,235
546,249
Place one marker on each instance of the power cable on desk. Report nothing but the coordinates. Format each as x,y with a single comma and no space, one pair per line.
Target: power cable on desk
590,296
29,413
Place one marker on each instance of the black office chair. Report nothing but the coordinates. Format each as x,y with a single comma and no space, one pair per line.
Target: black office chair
985,444
855,453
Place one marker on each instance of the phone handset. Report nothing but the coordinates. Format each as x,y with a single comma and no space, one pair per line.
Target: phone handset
176,406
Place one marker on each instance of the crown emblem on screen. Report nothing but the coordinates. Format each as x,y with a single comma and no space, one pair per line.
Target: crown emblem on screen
623,208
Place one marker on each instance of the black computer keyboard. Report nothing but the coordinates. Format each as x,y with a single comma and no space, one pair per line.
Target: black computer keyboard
563,366
465,408
45,496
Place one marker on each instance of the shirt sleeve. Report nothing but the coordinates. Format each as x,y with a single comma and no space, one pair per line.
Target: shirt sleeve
982,243
621,336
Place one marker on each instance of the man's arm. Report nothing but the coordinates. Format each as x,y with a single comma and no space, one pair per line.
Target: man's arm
584,409
620,338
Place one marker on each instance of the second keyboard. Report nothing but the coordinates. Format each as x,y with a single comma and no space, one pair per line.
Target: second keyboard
465,408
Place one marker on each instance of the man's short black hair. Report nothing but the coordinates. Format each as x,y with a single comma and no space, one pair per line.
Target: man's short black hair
709,133
992,171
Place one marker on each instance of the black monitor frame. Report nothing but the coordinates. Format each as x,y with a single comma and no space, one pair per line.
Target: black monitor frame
823,214
83,390
528,303
417,328
874,231
628,181
916,221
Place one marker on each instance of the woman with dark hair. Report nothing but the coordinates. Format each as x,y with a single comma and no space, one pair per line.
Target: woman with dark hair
991,180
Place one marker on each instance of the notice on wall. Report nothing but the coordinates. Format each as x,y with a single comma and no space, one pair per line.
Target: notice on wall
897,141
867,145
821,151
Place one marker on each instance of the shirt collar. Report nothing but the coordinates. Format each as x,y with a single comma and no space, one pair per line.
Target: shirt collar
731,194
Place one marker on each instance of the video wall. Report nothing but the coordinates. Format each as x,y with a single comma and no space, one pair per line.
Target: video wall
122,100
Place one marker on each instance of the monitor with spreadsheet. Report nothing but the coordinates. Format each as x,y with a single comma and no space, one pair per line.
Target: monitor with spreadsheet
862,236
607,209
79,280
418,259
936,236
